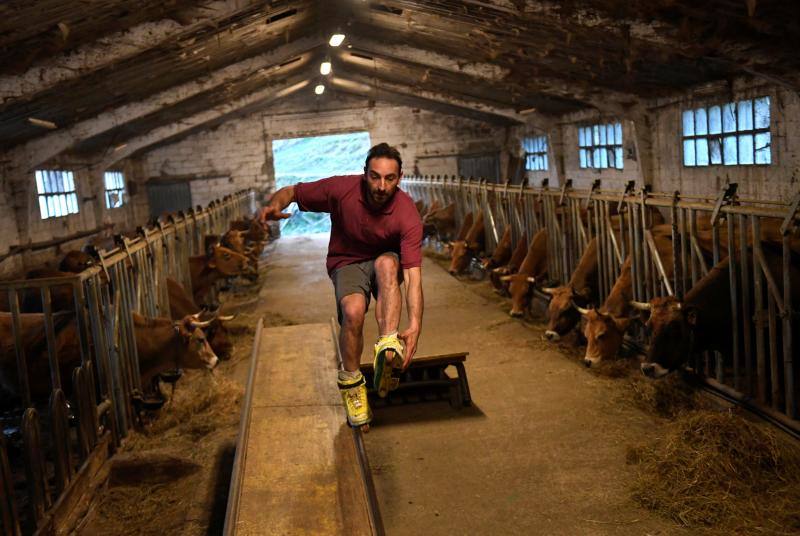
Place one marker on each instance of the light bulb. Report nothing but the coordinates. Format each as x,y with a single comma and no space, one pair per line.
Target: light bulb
336,40
319,89
325,67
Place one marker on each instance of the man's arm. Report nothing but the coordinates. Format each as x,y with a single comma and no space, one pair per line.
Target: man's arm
412,279
279,201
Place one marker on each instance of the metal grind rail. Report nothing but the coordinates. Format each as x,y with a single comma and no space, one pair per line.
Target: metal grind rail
763,235
70,364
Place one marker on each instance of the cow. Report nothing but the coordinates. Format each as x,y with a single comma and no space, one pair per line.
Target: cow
702,321
218,263
511,267
605,327
182,305
76,261
440,222
464,250
532,269
161,343
580,290
501,254
420,204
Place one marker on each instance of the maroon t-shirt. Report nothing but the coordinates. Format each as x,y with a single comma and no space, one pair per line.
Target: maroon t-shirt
358,231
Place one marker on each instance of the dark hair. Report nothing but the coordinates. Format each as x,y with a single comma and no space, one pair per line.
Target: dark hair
384,150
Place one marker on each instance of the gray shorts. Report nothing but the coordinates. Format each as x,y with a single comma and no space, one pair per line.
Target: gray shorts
357,278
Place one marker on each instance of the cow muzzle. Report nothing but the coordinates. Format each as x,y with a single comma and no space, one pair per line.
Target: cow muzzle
212,362
590,361
515,313
551,335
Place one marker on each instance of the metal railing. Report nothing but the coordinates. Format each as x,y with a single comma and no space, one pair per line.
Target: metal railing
55,425
763,235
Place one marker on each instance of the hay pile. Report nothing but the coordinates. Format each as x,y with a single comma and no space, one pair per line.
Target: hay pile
668,397
718,470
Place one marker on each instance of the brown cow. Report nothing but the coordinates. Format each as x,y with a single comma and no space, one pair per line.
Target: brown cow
580,290
218,263
511,267
76,261
502,253
440,222
464,250
702,321
532,269
605,327
182,305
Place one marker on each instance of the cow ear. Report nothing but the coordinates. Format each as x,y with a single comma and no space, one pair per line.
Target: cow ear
691,316
622,323
583,293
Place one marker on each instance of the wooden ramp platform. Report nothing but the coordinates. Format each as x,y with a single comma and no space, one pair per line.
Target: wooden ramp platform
299,468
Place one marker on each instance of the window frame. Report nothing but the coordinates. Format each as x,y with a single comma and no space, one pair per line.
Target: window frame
56,193
121,189
715,147
539,154
592,150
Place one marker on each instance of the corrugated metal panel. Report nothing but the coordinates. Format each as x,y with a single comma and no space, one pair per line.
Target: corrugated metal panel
168,197
484,166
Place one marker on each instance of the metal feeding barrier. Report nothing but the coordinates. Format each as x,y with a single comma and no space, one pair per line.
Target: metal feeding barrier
764,236
69,366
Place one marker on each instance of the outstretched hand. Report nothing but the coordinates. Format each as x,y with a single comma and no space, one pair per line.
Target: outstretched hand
270,212
409,337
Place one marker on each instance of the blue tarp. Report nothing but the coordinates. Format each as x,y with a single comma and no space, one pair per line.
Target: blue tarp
309,159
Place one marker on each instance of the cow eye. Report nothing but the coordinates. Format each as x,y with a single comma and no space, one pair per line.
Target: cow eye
601,334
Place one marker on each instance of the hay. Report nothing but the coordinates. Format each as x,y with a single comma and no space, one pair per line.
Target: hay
718,470
667,398
613,368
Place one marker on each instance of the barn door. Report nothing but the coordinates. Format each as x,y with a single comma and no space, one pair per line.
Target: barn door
168,197
480,166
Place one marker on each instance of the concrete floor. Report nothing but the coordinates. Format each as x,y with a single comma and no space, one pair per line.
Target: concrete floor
541,452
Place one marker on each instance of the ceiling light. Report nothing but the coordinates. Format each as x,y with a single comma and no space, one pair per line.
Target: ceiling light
325,67
336,40
319,89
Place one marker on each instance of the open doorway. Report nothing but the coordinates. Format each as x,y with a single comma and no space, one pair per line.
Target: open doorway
308,159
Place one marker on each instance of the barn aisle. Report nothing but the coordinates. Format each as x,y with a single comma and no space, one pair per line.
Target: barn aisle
541,452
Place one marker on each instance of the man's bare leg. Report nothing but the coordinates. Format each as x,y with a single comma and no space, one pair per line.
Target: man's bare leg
390,301
351,336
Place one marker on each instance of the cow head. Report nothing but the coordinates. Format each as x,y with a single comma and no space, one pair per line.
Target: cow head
520,286
671,324
561,312
196,352
463,253
76,262
226,261
234,240
604,333
217,333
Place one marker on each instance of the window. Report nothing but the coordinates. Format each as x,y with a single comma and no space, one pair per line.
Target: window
733,134
535,153
57,196
600,146
115,189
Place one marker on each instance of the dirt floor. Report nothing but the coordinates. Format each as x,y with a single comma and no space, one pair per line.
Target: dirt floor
542,451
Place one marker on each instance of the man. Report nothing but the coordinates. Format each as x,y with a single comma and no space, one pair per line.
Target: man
376,242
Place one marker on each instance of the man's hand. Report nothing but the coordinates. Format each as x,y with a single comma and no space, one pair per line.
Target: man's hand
409,338
270,212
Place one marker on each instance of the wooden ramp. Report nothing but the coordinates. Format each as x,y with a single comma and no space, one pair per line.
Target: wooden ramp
299,468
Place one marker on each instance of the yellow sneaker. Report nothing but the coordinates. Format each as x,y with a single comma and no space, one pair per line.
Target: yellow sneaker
387,365
354,395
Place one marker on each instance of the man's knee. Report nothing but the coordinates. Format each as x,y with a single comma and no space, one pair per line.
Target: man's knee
353,311
386,267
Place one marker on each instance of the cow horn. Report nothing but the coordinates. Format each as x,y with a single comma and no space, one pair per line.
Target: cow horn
506,277
679,306
226,318
548,290
531,279
201,324
501,269
580,309
641,306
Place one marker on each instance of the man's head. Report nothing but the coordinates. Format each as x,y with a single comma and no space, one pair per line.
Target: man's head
382,172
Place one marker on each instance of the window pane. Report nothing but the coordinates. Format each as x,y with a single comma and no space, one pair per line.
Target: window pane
746,149
763,149
762,112
583,157
596,135
688,152
700,122
70,181
688,123
610,134
618,157
107,180
745,113
603,157
39,182
544,162
714,120
618,133
62,201
729,150
43,207
602,132
544,144
49,205
701,151
728,118
715,150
